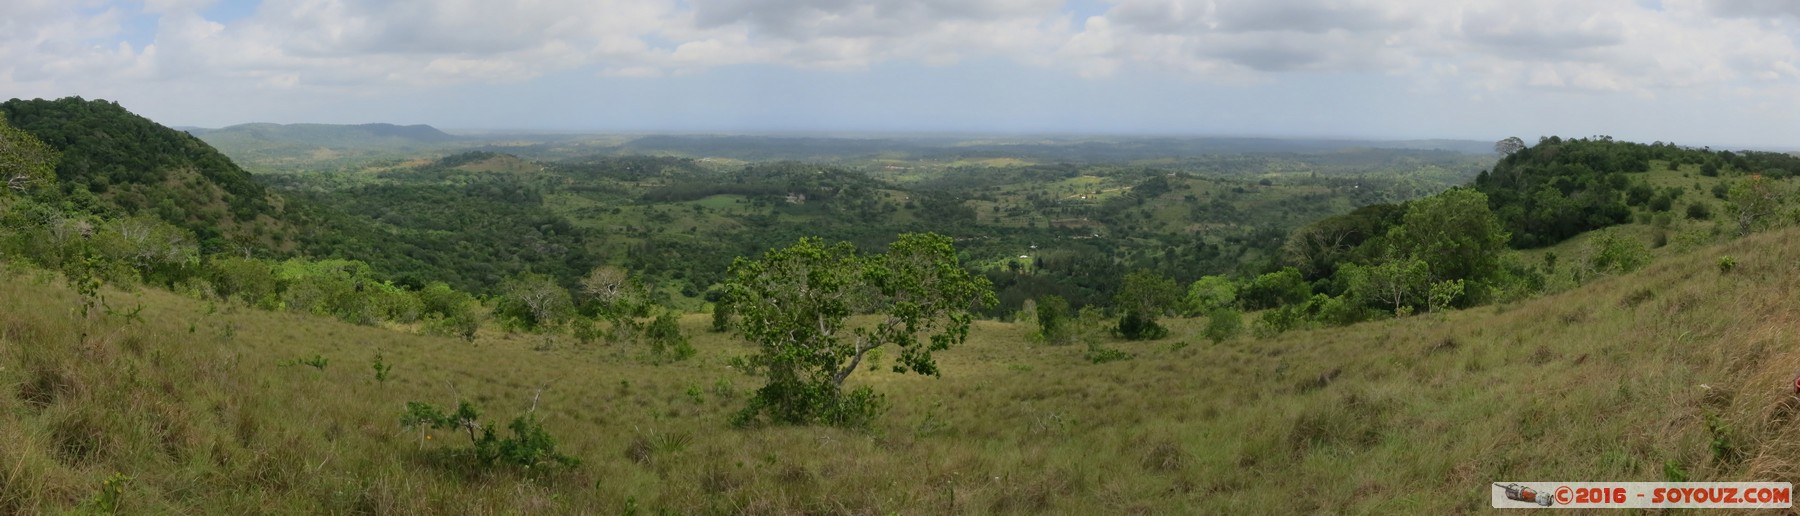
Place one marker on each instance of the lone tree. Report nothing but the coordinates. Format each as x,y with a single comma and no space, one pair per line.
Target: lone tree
1143,298
1509,145
793,304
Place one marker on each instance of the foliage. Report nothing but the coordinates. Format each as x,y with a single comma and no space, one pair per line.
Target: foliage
666,340
1143,297
721,316
450,312
1394,283
1210,293
611,289
137,166
316,362
1455,234
1270,290
26,163
533,302
249,280
470,230
793,303
1611,252
1727,264
529,445
110,497
1443,294
1099,354
1054,326
1222,324
382,369
1752,203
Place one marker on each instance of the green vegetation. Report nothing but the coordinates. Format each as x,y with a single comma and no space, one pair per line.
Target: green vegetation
116,164
151,366
1328,405
794,303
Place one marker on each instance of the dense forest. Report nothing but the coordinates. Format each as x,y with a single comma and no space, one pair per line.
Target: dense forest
116,163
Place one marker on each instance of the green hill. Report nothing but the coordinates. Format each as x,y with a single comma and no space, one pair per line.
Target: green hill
116,163
323,135
283,146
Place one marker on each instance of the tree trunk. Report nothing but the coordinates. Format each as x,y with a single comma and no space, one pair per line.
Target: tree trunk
837,380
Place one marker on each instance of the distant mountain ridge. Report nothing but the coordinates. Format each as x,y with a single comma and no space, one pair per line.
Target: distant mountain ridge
266,145
327,135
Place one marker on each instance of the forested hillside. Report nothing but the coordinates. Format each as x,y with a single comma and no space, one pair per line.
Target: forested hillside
1559,188
117,164
678,222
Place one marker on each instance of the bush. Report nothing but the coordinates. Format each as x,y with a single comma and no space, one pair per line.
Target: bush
1282,287
721,316
1223,324
666,340
1100,354
530,445
1611,252
1699,211
1727,264
1134,326
1054,325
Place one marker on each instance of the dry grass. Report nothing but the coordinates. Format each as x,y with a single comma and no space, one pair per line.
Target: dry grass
1611,381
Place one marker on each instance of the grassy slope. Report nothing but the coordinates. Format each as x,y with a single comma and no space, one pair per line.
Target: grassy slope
1611,381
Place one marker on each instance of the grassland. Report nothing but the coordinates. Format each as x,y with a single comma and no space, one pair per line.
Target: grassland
1675,371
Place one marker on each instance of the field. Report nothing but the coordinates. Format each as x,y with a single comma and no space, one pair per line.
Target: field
1677,371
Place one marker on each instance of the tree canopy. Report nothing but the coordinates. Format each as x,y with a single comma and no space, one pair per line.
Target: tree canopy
794,303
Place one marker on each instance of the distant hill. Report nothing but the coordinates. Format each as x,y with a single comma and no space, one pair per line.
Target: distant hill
326,135
1067,149
279,145
115,162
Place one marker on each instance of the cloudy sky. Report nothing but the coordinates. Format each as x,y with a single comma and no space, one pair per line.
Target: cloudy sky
1719,72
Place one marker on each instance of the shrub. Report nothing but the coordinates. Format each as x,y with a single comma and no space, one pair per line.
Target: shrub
1054,324
1699,211
666,340
721,316
1727,264
529,446
1100,354
1223,324
1136,326
1143,297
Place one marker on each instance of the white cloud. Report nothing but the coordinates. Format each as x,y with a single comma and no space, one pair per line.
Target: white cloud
1478,49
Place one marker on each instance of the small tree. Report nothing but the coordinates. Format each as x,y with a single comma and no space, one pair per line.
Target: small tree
721,316
1143,298
793,304
1509,146
533,302
1054,325
1752,203
611,288
1395,282
666,340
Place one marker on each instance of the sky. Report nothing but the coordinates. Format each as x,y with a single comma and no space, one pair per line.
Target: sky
1699,72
